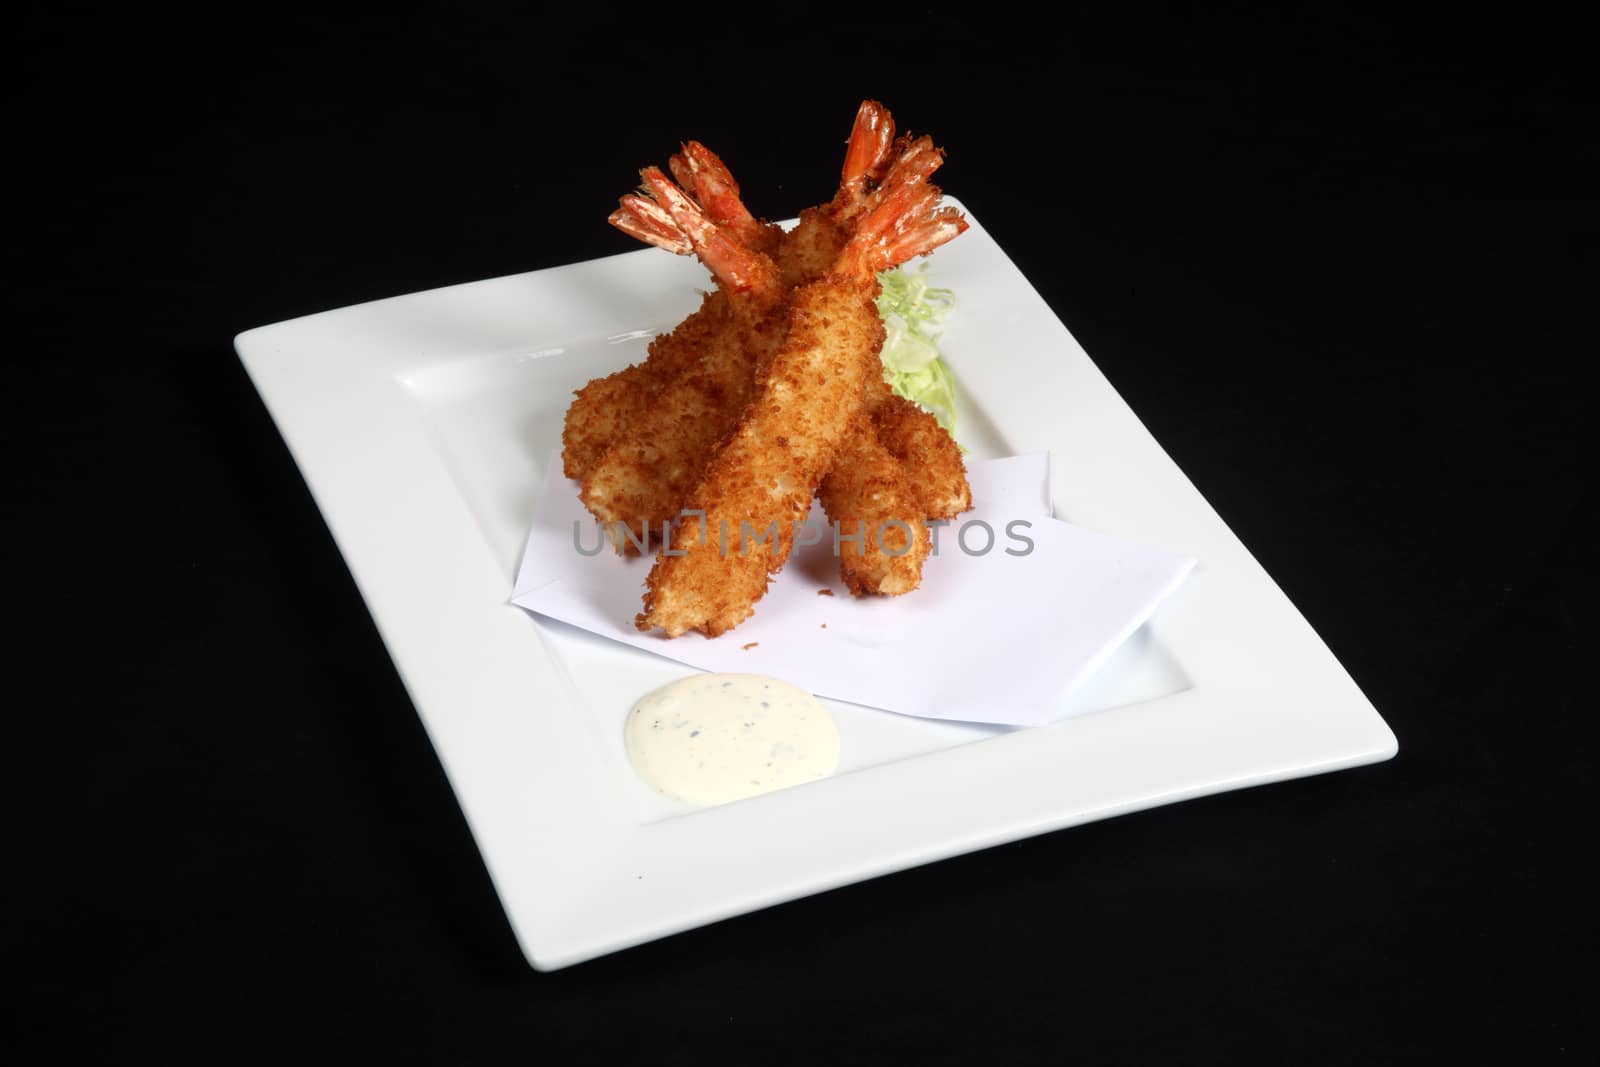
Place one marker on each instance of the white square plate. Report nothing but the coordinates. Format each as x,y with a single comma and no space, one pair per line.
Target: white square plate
422,424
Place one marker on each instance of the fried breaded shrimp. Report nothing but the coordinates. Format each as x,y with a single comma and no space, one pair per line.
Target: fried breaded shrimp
665,433
872,490
644,478
606,408
882,541
808,397
931,482
929,457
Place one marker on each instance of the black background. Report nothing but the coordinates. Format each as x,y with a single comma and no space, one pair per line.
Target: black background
1343,271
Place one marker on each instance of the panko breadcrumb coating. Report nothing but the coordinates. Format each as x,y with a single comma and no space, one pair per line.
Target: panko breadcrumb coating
868,496
736,413
929,457
602,411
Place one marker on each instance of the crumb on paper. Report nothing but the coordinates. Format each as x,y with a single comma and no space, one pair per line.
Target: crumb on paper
824,592
751,645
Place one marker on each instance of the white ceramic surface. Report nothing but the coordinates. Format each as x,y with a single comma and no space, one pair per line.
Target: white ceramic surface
421,424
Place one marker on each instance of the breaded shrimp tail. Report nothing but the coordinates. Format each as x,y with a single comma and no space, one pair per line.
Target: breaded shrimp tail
707,180
809,250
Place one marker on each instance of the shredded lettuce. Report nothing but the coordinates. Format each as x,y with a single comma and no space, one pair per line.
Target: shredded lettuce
912,310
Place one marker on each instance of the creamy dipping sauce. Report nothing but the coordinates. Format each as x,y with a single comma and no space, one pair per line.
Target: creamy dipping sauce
712,738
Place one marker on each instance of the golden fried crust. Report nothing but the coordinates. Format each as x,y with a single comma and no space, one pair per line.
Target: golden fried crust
646,475
930,457
806,252
603,410
598,412
807,398
878,394
867,494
